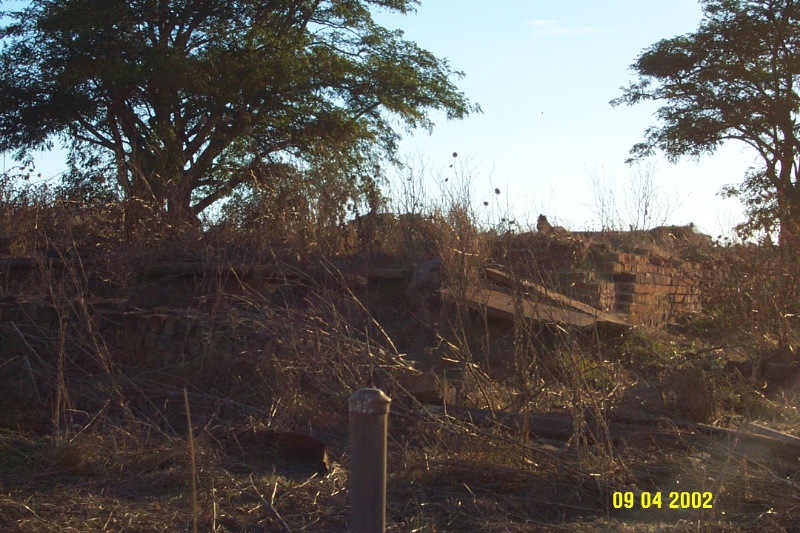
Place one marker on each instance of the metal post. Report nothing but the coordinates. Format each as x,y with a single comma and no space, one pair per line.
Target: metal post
369,414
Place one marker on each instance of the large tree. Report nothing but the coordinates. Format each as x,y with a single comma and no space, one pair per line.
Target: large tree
188,99
735,78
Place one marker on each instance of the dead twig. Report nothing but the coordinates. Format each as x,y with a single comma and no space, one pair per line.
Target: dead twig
190,438
283,525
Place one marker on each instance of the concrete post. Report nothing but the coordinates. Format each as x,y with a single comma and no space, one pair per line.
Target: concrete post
369,414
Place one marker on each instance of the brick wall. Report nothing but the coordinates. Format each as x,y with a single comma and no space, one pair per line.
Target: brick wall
647,290
135,337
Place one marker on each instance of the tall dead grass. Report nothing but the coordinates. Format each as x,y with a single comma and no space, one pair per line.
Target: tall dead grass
286,353
753,295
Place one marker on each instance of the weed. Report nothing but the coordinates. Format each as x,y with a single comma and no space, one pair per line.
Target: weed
270,317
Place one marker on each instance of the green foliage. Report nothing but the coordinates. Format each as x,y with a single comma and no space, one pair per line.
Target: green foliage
184,102
733,79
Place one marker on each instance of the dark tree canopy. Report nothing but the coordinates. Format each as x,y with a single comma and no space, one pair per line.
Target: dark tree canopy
735,78
185,100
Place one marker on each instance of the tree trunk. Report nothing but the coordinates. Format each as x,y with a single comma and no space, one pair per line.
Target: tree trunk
179,207
789,217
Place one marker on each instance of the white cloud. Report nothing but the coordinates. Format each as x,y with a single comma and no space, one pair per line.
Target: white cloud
554,27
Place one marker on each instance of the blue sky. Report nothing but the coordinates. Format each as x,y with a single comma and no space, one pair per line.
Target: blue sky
544,71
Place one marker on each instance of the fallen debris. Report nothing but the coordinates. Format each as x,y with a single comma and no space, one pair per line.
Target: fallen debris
750,441
685,395
534,289
509,297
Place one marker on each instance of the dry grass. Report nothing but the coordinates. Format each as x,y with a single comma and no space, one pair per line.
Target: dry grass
91,441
